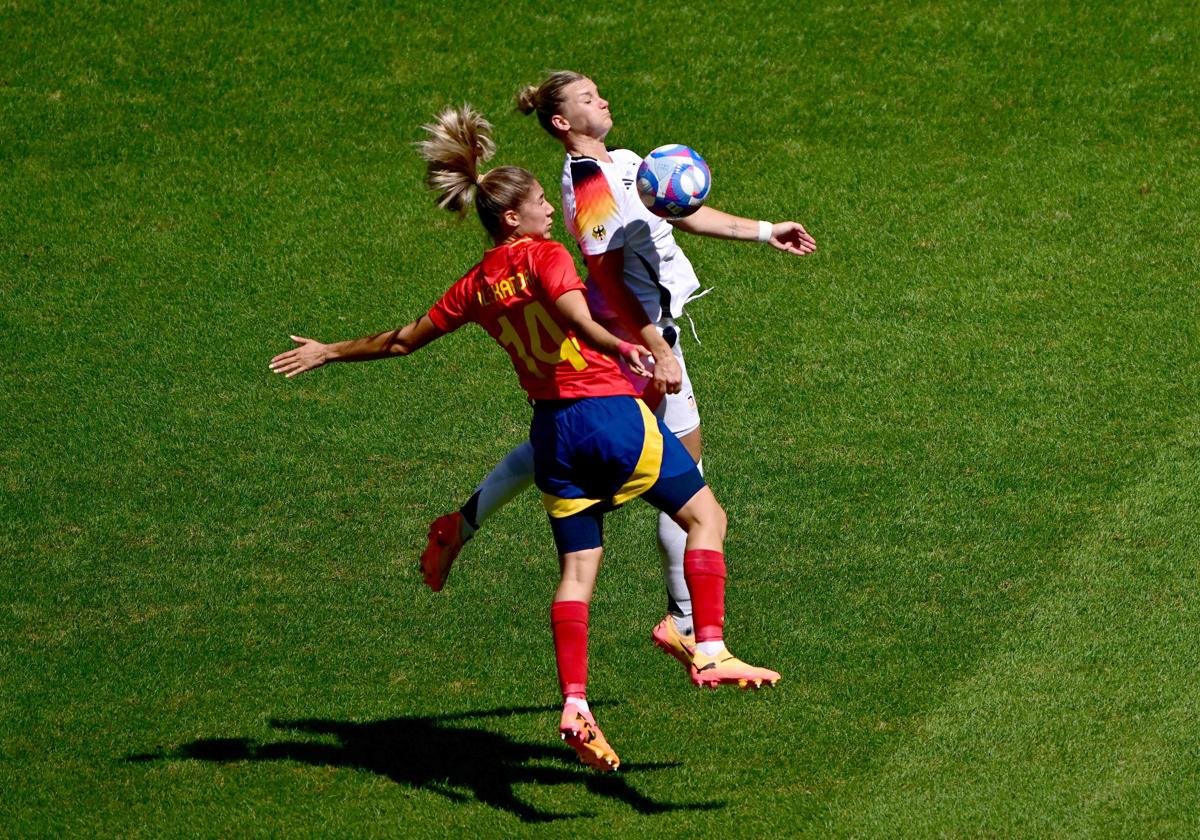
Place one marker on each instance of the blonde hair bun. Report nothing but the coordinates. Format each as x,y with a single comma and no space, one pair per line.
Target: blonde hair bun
527,99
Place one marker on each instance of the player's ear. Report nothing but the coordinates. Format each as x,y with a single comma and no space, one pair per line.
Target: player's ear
510,218
560,123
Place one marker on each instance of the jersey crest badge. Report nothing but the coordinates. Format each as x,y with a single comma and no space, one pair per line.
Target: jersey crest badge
598,233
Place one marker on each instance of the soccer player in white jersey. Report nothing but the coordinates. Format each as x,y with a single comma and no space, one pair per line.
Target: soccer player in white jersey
637,276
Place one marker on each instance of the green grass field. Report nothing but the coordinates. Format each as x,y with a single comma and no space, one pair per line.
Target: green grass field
959,446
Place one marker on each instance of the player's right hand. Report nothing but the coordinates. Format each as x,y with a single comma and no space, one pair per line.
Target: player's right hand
310,354
668,375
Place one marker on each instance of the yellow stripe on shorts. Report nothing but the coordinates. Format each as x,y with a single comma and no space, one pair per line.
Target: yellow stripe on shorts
644,474
560,508
649,464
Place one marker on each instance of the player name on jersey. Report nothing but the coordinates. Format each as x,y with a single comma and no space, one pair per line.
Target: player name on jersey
502,289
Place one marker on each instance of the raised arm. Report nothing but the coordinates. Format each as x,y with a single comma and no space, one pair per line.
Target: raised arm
790,237
607,271
312,354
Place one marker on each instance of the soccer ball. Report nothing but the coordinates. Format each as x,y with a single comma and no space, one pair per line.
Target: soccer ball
673,181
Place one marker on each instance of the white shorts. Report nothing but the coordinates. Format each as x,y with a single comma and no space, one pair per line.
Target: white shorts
677,411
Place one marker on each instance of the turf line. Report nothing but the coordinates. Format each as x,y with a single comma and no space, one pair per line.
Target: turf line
1095,675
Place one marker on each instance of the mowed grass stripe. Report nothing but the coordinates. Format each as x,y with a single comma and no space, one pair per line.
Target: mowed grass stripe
1082,713
911,429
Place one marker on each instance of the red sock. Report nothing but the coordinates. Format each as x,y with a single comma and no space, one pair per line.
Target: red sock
569,622
704,572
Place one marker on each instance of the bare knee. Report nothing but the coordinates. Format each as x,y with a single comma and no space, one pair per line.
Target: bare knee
703,512
578,579
720,522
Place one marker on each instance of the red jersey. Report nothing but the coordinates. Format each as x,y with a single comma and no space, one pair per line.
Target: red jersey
511,294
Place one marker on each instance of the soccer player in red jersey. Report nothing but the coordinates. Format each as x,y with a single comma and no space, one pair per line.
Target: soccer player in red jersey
596,445
637,275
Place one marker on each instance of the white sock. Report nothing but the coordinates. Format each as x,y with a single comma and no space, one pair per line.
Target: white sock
580,702
507,479
672,542
684,625
710,648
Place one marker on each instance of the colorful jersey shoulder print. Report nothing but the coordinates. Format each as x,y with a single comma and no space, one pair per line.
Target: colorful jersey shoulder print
593,205
603,212
510,293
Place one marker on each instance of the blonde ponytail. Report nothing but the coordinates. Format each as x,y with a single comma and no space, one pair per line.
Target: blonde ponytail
459,140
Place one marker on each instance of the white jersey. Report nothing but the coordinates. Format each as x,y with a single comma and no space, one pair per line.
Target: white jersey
603,211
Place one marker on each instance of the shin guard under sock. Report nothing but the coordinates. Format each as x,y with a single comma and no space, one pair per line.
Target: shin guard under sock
704,571
569,624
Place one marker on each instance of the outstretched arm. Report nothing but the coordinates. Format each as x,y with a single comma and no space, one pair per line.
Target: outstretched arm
312,354
790,237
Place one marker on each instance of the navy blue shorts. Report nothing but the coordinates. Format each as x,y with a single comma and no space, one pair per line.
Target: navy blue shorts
592,455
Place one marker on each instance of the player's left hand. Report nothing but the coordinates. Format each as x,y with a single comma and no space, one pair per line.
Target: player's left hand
310,354
633,356
792,238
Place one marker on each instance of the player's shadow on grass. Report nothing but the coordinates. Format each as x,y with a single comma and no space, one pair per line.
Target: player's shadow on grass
460,763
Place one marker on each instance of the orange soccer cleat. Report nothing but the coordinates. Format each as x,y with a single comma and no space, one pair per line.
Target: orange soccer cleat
578,728
726,669
669,640
445,542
